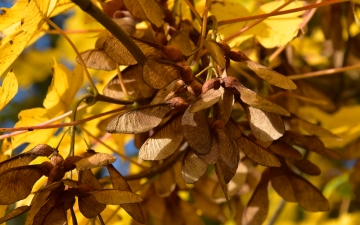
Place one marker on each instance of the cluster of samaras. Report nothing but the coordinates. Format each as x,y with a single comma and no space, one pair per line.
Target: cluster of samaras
181,116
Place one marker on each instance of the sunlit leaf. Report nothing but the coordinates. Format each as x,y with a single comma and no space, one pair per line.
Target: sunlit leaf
139,120
164,142
316,130
97,59
205,100
265,126
96,160
8,89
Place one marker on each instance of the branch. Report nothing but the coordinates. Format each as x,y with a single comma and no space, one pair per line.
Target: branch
113,28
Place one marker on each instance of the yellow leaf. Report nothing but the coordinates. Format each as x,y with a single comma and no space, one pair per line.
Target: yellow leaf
31,22
32,117
12,15
8,90
63,88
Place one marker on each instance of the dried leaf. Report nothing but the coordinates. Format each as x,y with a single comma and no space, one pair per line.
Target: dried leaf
257,208
97,59
145,90
234,130
56,216
317,130
164,142
118,52
221,178
17,183
228,154
308,196
26,157
14,213
182,39
139,120
96,160
285,150
205,100
165,184
115,197
88,178
256,101
192,167
256,153
158,73
270,75
265,126
282,185
196,131
212,156
216,52
90,207
113,88
223,108
146,9
118,181
307,167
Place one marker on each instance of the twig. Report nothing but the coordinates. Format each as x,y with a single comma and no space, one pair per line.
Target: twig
193,10
266,15
256,22
203,30
277,212
323,72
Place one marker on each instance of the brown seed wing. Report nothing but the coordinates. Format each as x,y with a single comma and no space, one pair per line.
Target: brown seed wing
158,73
146,9
282,185
308,196
164,142
14,213
115,197
192,167
205,100
196,131
96,160
139,120
118,52
266,126
257,153
216,52
97,59
270,75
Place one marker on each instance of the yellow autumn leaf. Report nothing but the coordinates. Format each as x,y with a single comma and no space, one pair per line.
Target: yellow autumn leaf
273,32
12,15
30,117
8,90
63,88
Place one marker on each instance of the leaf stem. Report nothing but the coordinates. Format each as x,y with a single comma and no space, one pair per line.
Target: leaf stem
266,15
88,7
255,23
121,81
48,126
203,31
77,53
90,99
74,31
323,72
116,152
